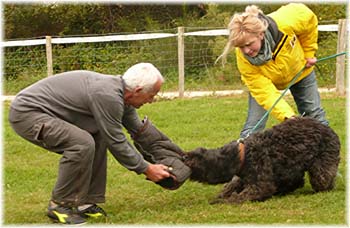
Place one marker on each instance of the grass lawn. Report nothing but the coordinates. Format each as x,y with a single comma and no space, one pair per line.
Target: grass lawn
29,174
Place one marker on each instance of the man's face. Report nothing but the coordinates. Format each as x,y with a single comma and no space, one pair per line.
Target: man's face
139,97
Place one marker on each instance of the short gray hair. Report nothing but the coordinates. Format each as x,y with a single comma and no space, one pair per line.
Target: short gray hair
144,75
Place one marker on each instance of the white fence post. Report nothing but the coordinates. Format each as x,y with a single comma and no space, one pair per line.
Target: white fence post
340,62
181,60
49,56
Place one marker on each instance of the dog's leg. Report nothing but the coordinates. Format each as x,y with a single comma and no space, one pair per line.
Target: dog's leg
235,185
323,176
323,170
254,192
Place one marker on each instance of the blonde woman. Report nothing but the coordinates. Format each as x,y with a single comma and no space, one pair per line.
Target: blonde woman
271,49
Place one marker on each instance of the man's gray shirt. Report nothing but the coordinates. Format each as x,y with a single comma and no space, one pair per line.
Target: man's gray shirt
93,102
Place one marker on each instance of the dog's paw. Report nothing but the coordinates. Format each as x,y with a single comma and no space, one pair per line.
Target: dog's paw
234,198
217,201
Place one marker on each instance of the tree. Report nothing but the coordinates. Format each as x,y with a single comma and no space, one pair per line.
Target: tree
35,20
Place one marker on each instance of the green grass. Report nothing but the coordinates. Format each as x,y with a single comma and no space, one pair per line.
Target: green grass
30,173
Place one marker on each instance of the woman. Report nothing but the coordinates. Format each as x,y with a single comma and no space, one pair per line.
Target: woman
271,50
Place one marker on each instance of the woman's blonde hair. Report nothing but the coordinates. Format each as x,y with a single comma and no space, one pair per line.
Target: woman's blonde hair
242,24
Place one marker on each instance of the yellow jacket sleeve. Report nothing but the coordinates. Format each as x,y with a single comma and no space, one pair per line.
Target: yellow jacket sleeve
266,94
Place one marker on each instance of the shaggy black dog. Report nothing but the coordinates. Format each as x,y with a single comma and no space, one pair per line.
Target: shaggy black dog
270,162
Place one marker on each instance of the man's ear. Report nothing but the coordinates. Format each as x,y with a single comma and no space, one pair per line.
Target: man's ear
138,89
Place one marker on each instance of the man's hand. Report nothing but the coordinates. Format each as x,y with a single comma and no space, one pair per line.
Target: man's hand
156,172
310,62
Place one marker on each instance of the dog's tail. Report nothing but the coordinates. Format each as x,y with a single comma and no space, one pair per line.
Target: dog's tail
214,166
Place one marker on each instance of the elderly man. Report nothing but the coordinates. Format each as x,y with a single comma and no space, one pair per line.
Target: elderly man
79,114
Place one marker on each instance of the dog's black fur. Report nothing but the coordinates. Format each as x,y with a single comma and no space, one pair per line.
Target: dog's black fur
275,162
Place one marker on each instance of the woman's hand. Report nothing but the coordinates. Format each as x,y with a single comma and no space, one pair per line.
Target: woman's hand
310,62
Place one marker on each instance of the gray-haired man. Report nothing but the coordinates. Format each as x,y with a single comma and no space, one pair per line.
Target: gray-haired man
80,114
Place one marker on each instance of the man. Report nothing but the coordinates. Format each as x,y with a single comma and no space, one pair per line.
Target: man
80,114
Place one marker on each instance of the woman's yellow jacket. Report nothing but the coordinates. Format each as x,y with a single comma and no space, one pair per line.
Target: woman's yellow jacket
299,27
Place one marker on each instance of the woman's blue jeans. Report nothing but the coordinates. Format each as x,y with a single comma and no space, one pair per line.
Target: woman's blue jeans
306,97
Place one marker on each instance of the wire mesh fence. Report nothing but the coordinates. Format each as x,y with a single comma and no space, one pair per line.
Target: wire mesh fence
28,63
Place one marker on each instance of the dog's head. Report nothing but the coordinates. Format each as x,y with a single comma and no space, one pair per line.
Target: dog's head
214,166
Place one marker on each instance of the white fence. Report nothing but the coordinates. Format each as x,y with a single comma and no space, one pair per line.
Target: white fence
109,38
198,52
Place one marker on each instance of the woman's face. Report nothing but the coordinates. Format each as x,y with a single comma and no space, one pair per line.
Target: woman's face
252,44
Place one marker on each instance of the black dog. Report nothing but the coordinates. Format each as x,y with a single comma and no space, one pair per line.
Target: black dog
270,162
